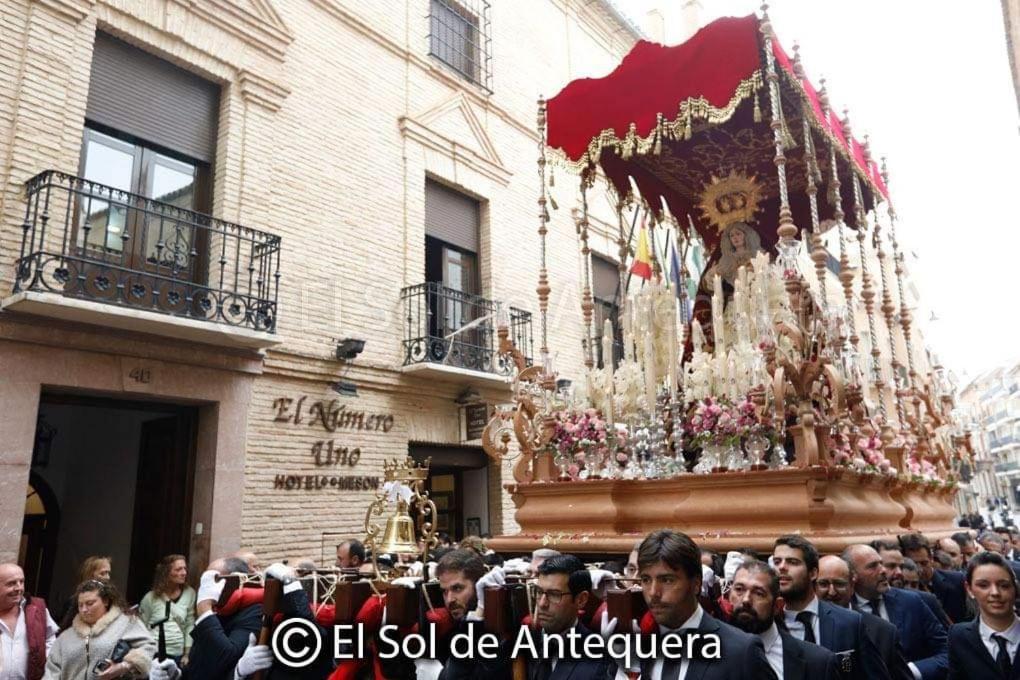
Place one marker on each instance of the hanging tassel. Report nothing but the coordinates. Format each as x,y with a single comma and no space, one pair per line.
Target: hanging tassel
552,176
552,202
657,147
757,108
688,127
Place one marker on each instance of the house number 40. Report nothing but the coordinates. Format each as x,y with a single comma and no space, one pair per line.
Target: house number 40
141,375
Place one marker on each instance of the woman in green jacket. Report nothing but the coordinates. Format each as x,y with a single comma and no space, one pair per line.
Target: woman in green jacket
171,601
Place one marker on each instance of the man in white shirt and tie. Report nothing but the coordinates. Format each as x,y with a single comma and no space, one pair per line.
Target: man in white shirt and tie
922,635
27,631
839,630
669,568
756,602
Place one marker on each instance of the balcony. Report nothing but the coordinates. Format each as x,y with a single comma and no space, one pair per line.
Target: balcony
450,335
1002,442
1007,468
95,254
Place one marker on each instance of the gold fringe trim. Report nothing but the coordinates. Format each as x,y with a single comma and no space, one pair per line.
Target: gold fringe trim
681,127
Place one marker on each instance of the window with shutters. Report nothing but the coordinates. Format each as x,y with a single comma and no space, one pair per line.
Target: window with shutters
459,37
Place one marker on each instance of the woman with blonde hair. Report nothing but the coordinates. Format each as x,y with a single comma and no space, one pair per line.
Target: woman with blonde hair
103,641
93,568
171,603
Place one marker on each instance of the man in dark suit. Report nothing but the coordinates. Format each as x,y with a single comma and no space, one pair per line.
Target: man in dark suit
835,584
922,635
946,586
563,589
219,640
898,572
807,618
669,568
756,602
987,646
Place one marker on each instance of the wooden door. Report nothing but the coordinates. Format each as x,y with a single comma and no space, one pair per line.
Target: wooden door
163,495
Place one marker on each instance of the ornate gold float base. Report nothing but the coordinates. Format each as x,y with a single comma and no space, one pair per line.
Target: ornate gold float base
833,507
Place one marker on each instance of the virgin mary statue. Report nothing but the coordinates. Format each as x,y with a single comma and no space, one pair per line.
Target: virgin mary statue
739,244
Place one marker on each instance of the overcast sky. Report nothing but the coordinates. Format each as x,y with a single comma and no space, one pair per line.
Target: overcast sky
930,82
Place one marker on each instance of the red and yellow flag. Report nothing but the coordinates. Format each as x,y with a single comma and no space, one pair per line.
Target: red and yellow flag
643,257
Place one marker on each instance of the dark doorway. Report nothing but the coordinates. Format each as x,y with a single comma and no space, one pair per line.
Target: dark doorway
121,474
458,484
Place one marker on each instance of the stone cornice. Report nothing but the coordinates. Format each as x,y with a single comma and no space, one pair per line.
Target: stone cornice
459,153
259,90
264,29
74,10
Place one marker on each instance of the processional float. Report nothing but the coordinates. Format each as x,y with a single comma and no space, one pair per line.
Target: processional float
764,405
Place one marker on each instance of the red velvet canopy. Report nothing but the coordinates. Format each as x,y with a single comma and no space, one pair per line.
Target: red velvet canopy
709,94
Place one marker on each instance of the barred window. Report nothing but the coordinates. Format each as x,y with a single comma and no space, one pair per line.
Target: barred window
459,37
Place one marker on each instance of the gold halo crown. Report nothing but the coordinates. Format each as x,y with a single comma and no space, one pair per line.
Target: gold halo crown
729,199
406,470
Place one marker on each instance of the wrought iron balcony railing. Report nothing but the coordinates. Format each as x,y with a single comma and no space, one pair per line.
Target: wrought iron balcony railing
87,240
446,326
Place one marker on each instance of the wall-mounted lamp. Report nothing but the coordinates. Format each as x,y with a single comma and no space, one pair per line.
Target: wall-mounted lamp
348,348
468,396
345,388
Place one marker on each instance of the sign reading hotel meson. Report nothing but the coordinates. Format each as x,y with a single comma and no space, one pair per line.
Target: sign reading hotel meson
330,416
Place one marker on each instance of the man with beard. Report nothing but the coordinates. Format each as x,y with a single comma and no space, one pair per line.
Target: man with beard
946,586
460,573
809,619
892,565
563,589
922,635
669,568
835,584
754,595
968,547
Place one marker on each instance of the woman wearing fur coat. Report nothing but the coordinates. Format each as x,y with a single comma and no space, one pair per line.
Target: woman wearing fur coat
88,649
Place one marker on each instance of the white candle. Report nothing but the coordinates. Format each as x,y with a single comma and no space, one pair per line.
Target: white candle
673,351
607,364
718,321
650,377
625,306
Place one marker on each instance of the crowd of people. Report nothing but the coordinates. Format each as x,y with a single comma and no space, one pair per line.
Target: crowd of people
906,609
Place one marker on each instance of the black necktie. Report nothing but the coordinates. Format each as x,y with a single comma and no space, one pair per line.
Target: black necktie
809,631
670,669
544,669
875,605
1002,658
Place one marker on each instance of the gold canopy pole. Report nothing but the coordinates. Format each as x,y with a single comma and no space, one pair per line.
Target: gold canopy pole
818,255
787,230
867,291
543,219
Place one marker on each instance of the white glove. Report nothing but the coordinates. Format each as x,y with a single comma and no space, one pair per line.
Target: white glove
607,625
255,658
516,565
733,562
164,670
281,572
707,579
493,579
598,575
209,588
406,582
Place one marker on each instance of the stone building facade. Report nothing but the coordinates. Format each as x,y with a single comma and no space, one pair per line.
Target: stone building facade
203,394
